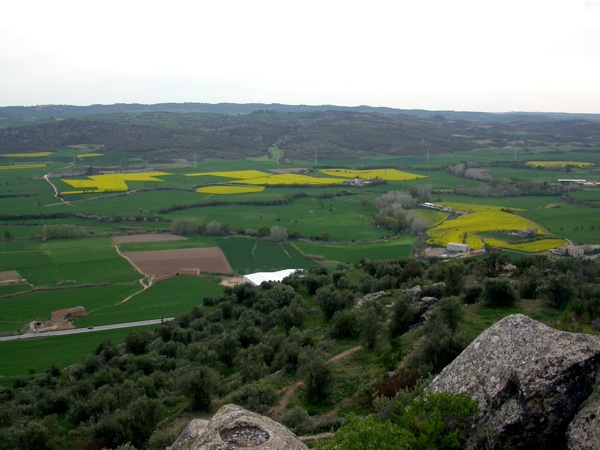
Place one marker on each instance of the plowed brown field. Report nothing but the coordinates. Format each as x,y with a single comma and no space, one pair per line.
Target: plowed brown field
185,260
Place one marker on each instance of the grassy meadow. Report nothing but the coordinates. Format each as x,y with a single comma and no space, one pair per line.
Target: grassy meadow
29,356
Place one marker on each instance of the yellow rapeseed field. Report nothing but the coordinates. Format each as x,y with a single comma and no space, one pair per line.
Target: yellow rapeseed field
89,155
111,182
472,207
383,174
22,166
465,229
558,163
530,247
226,189
27,155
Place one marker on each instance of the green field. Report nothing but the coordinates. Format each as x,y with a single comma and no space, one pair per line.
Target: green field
251,255
16,312
38,355
167,298
69,261
352,253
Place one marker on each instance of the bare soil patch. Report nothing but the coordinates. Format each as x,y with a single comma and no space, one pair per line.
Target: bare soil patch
231,281
185,260
146,238
9,275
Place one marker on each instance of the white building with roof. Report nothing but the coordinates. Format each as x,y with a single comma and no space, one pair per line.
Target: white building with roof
457,247
257,278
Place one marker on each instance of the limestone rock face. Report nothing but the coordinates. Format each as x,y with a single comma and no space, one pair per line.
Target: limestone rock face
233,427
528,379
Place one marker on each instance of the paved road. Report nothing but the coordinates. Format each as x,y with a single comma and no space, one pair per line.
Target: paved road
115,326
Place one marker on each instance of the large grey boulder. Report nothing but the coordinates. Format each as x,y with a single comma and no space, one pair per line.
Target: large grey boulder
233,427
584,430
528,379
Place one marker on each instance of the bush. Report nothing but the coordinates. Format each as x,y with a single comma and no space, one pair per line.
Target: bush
403,315
137,342
256,397
199,386
184,226
498,293
472,294
368,434
317,376
345,324
437,420
559,289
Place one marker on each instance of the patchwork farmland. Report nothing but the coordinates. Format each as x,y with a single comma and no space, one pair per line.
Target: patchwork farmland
327,212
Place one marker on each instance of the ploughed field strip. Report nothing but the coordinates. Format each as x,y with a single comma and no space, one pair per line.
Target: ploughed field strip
187,260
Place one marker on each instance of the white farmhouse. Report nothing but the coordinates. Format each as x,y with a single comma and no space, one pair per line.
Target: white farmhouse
456,247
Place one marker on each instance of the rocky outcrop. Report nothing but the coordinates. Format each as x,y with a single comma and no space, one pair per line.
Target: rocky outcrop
189,435
423,309
233,427
528,379
584,430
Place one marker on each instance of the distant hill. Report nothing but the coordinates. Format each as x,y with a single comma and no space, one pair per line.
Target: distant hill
228,130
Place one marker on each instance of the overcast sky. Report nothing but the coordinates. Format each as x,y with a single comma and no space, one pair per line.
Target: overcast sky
468,55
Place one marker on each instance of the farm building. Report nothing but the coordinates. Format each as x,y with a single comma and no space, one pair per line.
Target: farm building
574,250
570,181
257,278
64,314
456,247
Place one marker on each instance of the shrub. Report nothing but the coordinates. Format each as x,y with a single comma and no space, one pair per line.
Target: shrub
498,293
317,376
256,397
472,293
559,289
368,434
345,324
199,386
403,315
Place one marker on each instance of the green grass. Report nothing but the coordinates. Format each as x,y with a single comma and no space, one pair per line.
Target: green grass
167,298
570,221
342,217
16,312
74,261
13,289
246,255
352,253
479,317
20,357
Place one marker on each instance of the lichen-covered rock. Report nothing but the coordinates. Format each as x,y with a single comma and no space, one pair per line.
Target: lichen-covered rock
528,379
584,430
233,427
188,436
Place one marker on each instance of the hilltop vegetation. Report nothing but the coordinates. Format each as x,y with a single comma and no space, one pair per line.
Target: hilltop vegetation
252,343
